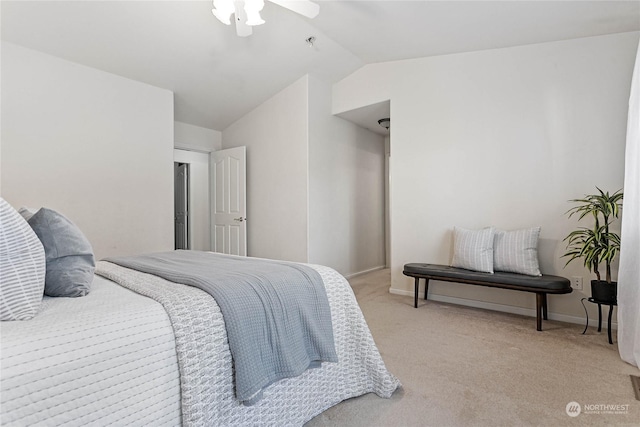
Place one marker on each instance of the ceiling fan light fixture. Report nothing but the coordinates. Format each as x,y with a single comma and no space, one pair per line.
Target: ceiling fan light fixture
385,123
223,9
254,20
253,8
247,12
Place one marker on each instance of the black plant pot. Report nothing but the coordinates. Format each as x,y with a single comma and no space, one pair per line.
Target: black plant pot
602,291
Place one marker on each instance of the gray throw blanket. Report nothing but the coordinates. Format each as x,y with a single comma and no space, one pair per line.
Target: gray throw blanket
276,314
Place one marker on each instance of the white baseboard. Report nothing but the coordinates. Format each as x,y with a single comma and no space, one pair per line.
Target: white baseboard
508,308
360,273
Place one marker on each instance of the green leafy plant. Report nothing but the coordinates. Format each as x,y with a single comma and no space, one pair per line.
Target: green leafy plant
596,245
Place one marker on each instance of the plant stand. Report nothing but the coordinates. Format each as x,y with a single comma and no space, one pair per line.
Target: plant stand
600,303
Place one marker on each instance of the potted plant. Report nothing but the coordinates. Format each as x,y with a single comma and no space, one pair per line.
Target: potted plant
596,245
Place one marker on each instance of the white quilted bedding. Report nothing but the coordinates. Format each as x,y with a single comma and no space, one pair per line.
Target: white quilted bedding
118,358
108,358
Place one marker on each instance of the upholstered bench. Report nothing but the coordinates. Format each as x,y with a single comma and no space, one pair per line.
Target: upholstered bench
540,285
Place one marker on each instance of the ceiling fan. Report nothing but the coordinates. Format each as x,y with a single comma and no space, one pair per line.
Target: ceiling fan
247,12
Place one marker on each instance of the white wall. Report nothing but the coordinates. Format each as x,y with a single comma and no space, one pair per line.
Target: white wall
501,137
276,137
196,138
346,189
95,146
387,204
315,182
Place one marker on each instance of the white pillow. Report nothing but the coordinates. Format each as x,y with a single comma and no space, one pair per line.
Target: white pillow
22,266
473,249
517,251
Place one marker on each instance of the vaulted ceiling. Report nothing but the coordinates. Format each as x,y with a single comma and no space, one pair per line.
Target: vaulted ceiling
217,77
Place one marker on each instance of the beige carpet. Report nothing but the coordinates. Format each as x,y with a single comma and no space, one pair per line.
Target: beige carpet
462,366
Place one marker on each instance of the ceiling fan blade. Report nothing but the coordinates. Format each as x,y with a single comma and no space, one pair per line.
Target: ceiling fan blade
303,7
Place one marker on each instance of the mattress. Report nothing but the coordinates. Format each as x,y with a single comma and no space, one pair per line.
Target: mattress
108,358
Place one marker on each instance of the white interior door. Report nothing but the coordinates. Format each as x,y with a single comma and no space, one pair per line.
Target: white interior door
228,201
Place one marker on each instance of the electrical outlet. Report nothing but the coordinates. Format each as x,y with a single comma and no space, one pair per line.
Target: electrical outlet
576,283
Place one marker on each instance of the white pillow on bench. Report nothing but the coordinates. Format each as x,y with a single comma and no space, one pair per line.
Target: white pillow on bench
473,249
517,251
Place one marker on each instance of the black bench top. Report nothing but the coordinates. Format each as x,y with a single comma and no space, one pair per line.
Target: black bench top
546,282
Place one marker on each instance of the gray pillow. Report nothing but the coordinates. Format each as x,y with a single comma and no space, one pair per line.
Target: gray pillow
68,253
473,249
22,266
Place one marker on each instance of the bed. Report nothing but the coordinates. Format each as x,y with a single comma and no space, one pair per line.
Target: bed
141,350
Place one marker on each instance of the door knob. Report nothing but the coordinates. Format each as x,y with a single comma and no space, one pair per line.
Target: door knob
240,219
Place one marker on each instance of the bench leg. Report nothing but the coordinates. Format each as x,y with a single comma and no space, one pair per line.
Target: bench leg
426,288
540,297
544,307
415,296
